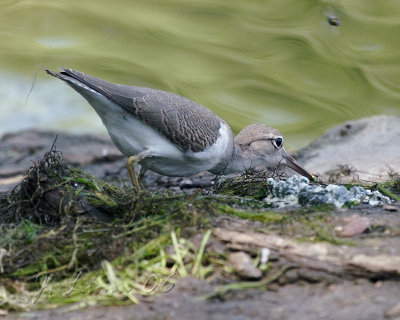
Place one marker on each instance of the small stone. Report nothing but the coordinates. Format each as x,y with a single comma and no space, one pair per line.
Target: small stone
390,208
338,228
243,266
186,182
354,225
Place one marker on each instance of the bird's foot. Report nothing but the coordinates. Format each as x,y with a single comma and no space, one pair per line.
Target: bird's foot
131,164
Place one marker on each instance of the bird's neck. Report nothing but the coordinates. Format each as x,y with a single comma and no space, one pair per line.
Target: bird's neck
237,163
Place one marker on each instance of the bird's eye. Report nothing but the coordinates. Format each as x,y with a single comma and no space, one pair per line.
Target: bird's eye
278,142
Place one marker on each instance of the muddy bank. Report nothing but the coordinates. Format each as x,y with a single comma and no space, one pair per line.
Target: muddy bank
345,300
75,238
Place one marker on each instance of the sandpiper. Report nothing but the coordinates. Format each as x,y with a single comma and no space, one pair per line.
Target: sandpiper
174,136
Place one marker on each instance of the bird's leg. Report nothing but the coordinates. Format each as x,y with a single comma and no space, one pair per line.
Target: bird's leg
142,172
131,164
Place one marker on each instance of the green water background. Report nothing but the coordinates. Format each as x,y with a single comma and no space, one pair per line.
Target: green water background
273,61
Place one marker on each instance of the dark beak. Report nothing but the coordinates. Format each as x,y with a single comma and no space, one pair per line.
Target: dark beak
293,165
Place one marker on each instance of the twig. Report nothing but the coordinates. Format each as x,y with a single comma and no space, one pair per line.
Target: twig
222,290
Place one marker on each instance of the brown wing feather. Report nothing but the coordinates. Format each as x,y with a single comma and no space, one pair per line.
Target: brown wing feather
185,123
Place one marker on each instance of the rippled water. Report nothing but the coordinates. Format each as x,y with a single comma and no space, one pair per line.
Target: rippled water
272,61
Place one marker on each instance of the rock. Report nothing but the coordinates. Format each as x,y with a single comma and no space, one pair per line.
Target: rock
354,225
30,145
7,184
363,149
243,266
390,208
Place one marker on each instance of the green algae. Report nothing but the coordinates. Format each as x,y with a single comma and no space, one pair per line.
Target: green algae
69,237
390,189
74,238
252,184
264,217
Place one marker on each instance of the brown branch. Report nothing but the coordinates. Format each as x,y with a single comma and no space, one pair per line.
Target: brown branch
318,256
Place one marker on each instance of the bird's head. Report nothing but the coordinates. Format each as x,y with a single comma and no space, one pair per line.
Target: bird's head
263,145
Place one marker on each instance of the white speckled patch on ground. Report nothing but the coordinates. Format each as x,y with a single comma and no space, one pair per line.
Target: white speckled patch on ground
298,191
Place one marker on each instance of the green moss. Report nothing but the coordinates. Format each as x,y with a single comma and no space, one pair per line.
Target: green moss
144,271
24,232
351,204
348,186
250,184
29,230
79,177
265,217
390,189
115,239
324,233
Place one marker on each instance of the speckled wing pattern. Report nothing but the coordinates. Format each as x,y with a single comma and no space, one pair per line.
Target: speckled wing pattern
185,123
